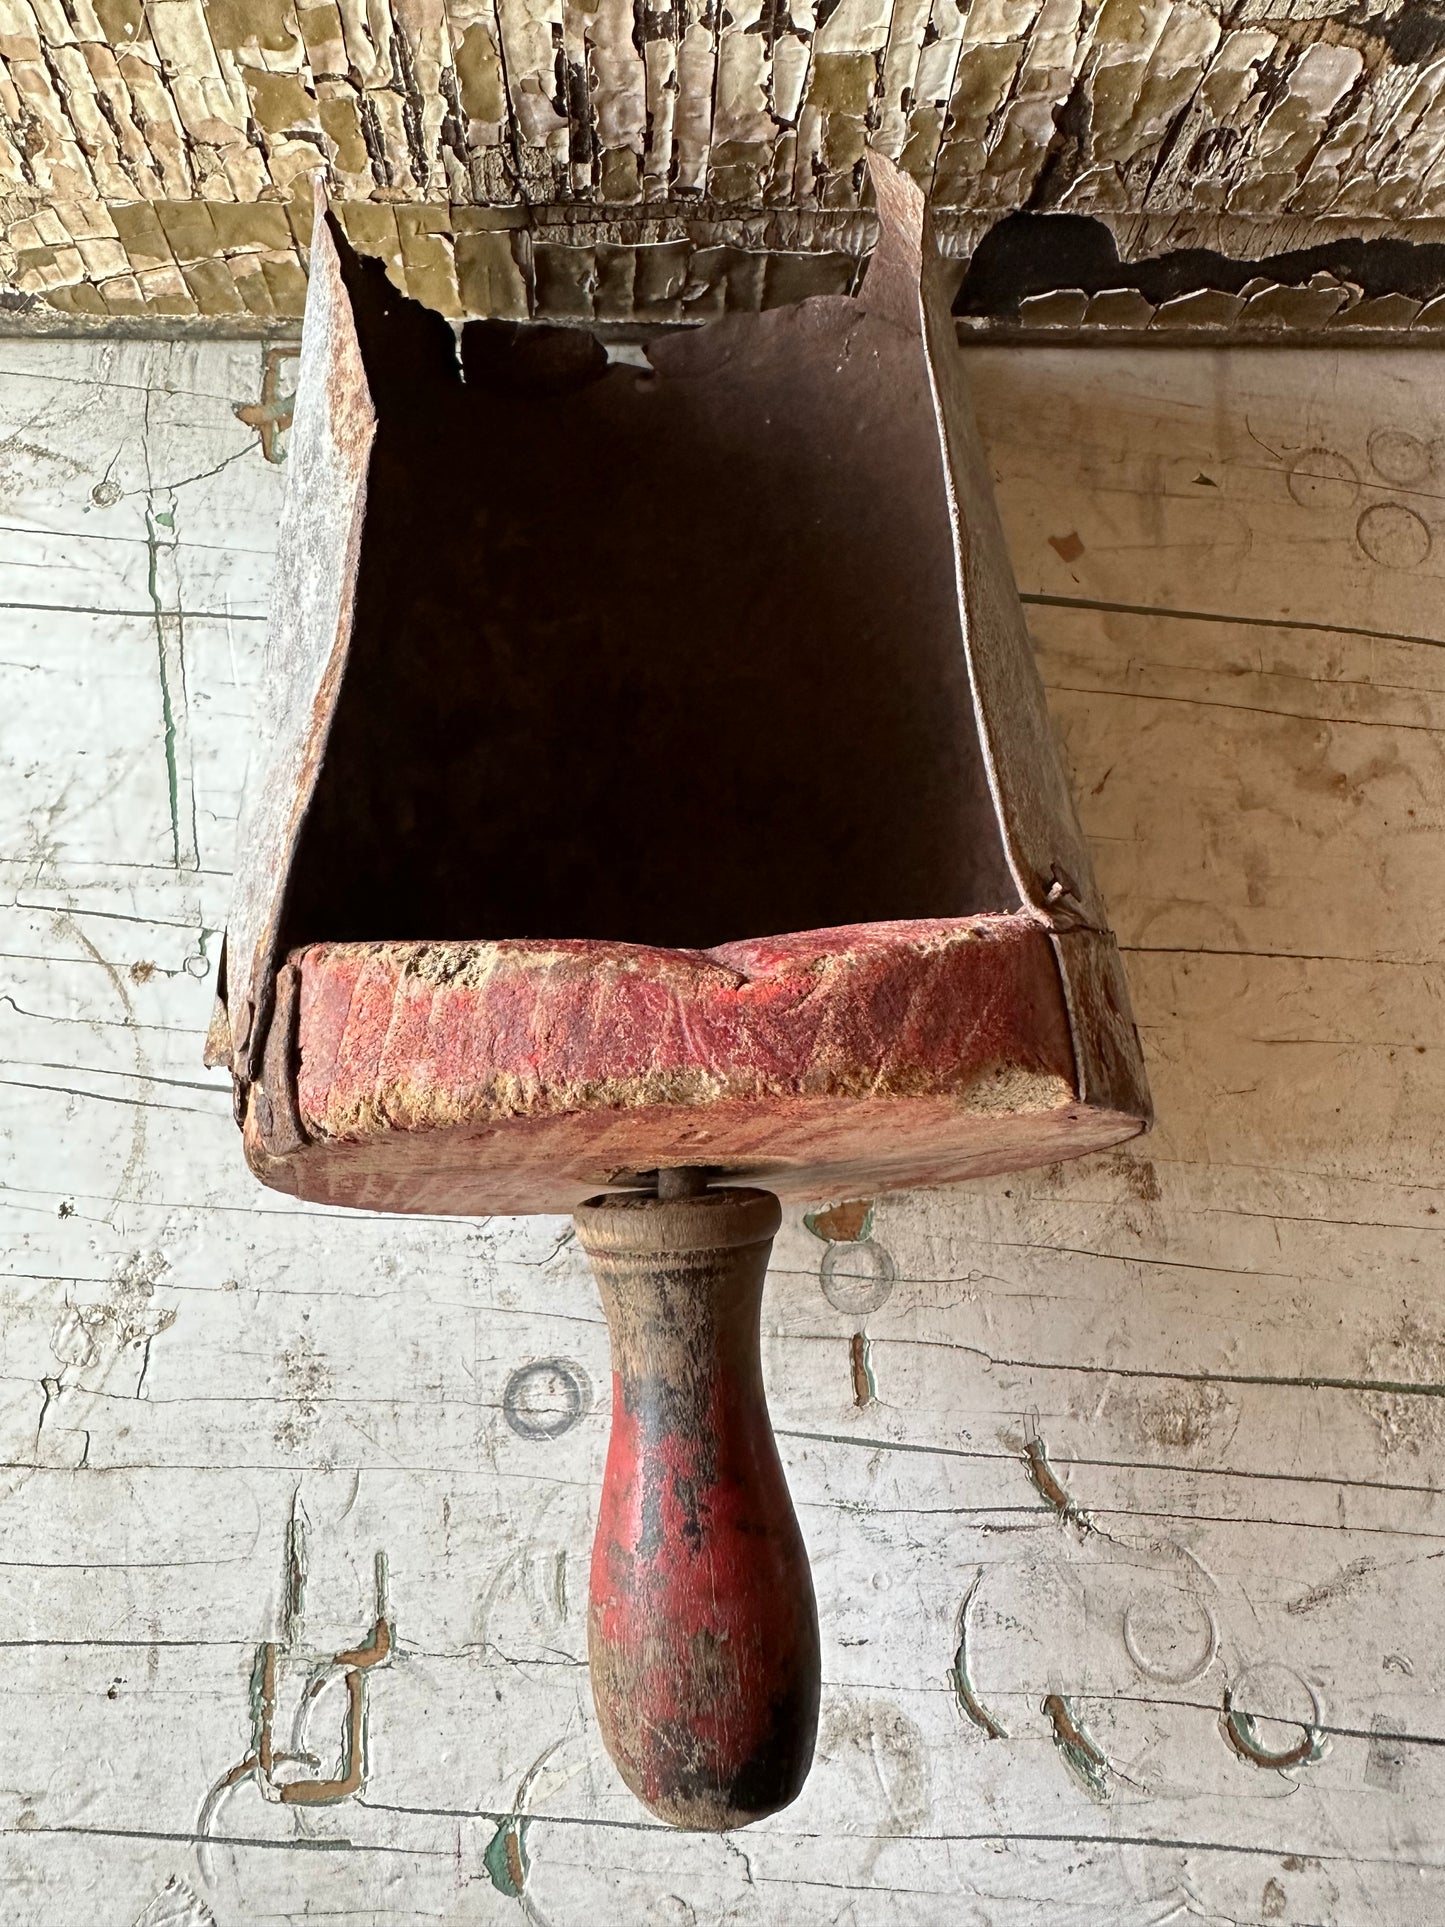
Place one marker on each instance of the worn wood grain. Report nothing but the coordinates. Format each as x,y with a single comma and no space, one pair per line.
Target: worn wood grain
1137,1461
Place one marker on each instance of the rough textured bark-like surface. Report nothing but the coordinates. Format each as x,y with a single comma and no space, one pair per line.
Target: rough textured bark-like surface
702,1632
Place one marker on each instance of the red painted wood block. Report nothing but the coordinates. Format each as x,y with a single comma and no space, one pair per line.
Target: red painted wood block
506,1077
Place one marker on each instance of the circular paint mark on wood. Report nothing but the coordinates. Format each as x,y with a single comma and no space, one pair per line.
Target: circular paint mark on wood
546,1398
1393,535
1170,1635
1400,457
1322,478
673,1911
1272,1717
857,1278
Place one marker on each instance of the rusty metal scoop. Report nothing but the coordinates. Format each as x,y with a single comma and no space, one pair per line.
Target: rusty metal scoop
657,816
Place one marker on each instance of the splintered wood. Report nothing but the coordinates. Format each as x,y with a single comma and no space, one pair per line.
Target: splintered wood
1121,1482
551,156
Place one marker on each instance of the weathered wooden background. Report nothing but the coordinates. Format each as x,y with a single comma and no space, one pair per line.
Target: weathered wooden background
513,156
1122,1481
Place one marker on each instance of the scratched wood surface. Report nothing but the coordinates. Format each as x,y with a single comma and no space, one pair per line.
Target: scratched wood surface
1122,1481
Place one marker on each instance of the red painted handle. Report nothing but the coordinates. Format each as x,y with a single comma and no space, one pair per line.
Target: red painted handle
703,1634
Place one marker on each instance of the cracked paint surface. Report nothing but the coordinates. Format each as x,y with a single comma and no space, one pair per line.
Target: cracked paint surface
508,158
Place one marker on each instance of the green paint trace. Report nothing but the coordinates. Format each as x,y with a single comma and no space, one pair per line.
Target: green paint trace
1081,1753
506,1857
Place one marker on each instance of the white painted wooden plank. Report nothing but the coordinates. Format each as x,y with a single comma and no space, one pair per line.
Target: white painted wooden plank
1224,483
1226,1349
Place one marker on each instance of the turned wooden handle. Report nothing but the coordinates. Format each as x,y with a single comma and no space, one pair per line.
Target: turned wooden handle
703,1634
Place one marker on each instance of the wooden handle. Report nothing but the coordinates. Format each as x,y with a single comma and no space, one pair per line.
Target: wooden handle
703,1634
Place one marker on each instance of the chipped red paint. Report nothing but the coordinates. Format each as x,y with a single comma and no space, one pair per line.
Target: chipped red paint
519,1076
702,1633
524,1028
695,1573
